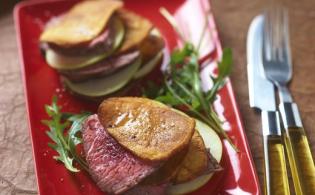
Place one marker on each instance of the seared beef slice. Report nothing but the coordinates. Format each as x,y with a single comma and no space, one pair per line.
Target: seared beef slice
112,167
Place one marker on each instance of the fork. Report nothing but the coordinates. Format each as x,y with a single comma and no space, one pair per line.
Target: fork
277,67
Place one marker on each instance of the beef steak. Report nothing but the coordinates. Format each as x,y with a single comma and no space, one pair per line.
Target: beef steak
113,168
102,68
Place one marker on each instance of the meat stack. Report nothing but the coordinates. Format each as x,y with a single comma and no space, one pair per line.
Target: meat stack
98,47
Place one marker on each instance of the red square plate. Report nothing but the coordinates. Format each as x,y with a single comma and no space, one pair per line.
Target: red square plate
41,83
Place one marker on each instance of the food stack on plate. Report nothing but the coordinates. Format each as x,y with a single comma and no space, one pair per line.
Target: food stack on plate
98,47
138,146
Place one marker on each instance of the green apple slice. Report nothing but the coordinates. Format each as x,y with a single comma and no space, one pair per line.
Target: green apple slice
149,66
106,85
212,141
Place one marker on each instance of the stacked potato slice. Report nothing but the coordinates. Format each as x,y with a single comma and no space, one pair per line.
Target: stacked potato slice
98,47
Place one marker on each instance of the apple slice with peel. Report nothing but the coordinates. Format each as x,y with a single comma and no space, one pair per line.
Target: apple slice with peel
99,87
212,141
152,50
148,67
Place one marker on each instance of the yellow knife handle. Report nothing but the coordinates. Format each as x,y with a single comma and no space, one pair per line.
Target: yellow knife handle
276,177
300,160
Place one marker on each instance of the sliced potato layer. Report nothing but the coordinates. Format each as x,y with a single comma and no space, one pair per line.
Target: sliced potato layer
64,62
151,50
82,23
212,141
150,46
167,171
195,162
137,29
147,128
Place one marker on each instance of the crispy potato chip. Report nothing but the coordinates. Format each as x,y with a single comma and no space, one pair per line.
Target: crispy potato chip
82,23
149,129
195,161
137,29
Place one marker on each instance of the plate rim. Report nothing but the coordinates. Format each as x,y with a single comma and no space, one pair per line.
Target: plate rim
218,48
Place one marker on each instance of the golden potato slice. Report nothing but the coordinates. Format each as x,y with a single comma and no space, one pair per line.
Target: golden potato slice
152,53
137,29
149,129
150,47
167,171
195,161
82,23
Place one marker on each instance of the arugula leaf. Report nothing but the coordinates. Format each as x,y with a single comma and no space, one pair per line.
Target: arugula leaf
152,90
182,86
224,65
225,68
64,143
76,127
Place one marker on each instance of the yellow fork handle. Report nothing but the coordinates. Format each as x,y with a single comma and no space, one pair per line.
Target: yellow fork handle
300,159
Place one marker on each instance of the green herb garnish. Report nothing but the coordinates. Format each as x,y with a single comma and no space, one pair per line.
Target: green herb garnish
182,87
64,131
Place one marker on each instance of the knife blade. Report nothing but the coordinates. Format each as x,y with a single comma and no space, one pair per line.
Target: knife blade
262,97
258,86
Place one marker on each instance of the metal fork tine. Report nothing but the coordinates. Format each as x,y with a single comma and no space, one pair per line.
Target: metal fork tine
280,33
276,33
272,34
286,53
276,21
276,46
267,38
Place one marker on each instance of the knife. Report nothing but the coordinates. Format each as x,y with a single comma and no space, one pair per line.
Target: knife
262,97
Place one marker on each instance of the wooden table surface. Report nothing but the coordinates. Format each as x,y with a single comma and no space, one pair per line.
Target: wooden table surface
17,174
